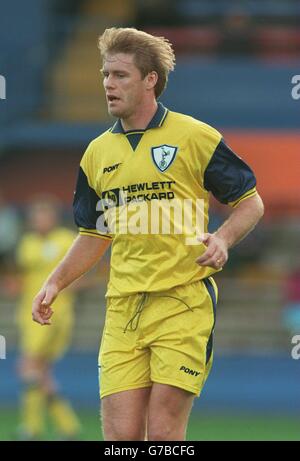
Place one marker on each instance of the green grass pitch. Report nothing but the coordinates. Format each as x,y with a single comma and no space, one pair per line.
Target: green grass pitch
208,427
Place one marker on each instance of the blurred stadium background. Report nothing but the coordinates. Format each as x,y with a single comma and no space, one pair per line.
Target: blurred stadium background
235,62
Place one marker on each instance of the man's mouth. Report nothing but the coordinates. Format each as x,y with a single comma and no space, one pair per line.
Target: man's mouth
112,98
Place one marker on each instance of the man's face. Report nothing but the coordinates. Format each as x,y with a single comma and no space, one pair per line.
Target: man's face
43,219
123,84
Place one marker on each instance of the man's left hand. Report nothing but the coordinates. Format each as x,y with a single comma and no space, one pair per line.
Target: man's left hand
216,254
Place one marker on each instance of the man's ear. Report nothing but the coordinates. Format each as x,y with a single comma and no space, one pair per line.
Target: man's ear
151,80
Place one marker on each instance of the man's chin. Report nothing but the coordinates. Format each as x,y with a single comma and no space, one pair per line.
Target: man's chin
114,112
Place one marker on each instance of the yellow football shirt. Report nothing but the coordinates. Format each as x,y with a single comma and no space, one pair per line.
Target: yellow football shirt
148,192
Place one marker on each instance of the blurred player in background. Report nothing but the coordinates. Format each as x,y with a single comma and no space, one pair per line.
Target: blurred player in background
157,344
39,251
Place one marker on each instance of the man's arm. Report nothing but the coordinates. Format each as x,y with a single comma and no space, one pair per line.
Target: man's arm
82,256
242,220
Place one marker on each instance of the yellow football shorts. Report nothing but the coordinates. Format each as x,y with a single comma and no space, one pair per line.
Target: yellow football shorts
162,337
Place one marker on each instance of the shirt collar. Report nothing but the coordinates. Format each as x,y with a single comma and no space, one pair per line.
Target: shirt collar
157,120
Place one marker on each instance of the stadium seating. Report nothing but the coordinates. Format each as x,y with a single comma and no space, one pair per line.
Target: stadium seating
75,83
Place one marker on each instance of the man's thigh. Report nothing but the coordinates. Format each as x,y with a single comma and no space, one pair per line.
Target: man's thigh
124,414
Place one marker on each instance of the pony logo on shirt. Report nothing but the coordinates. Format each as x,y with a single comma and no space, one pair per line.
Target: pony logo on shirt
163,156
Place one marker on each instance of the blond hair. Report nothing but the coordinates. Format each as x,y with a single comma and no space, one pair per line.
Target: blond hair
150,53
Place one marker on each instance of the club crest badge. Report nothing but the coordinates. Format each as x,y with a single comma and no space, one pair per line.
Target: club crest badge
163,156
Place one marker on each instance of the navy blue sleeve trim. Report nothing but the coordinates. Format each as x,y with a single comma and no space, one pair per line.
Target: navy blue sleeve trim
212,294
227,176
85,202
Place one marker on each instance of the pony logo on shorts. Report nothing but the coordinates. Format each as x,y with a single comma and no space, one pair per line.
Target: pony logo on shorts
163,156
189,371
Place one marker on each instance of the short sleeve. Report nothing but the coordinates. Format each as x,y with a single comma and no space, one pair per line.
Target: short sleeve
86,200
228,177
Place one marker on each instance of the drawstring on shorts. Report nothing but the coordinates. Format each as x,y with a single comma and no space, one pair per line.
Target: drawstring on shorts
137,314
134,321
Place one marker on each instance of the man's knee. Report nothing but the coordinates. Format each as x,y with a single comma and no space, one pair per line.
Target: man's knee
121,428
166,428
169,411
116,431
31,371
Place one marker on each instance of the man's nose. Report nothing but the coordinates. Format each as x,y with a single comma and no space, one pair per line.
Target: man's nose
109,82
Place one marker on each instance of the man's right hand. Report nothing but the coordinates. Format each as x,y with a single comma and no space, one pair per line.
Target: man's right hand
41,307
88,250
